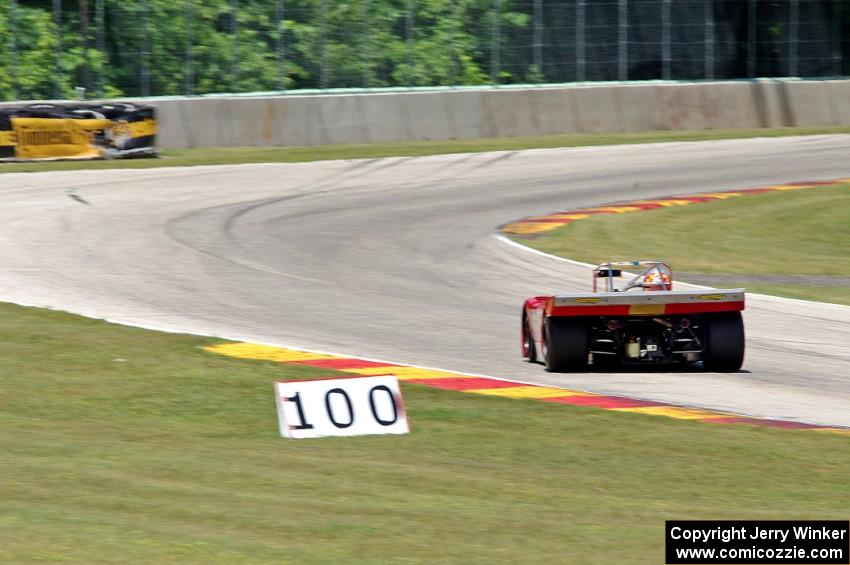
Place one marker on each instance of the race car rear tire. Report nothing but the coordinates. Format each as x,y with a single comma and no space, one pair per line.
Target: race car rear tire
724,342
530,350
566,345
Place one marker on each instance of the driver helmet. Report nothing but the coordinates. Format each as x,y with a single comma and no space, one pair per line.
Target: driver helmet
656,281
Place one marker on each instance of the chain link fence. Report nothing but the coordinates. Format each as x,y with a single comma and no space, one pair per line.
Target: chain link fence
54,49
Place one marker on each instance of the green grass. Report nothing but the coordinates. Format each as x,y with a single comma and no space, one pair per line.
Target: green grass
122,445
804,232
240,155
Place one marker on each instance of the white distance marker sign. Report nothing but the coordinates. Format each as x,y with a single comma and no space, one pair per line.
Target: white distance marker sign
340,407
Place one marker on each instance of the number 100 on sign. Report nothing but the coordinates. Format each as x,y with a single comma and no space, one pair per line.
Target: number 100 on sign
340,407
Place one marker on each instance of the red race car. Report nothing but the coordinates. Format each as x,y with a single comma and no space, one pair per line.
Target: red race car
641,322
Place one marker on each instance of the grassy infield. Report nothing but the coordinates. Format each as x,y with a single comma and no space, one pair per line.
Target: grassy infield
240,155
781,233
125,445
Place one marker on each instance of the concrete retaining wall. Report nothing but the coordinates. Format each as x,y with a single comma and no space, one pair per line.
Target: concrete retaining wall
509,112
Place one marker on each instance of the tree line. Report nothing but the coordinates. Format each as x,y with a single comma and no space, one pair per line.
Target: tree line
175,47
116,48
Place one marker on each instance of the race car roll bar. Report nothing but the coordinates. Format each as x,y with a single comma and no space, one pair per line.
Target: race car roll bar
654,275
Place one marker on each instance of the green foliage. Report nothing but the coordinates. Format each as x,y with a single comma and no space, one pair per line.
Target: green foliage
6,63
36,43
172,47
200,47
534,75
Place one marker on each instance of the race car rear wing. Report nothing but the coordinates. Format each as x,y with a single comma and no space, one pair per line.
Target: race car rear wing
676,302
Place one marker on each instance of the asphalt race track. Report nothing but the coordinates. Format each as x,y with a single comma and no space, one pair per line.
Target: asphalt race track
395,259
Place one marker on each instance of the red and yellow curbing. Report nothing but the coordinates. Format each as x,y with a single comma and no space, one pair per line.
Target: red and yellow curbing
536,225
489,386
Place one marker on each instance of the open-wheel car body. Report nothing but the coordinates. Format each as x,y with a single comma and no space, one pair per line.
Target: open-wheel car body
633,321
